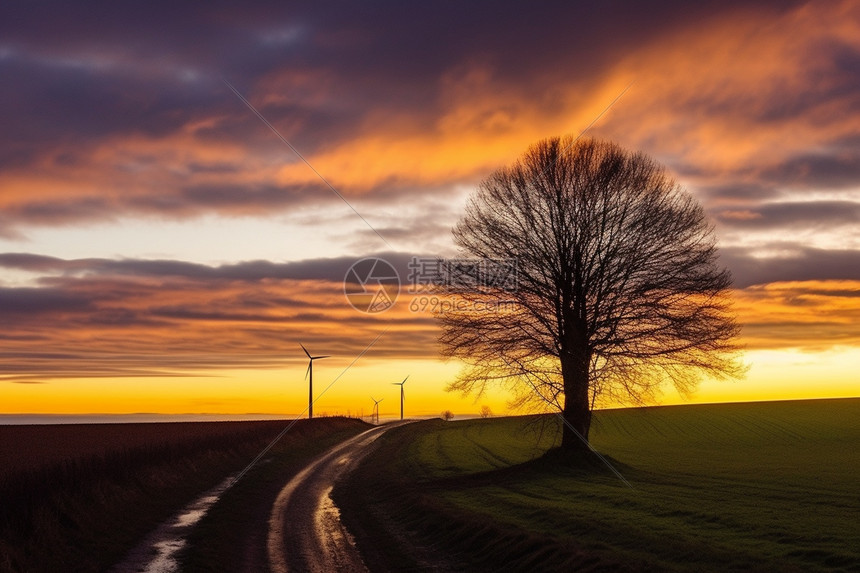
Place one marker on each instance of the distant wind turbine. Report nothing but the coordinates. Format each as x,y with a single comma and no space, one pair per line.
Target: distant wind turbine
375,413
402,395
310,372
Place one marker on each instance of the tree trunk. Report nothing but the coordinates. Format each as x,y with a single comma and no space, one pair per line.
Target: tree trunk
577,406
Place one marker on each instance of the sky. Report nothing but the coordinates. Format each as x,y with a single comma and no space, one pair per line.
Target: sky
162,249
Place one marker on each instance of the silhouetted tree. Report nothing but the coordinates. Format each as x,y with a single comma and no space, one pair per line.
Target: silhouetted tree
486,412
447,415
618,285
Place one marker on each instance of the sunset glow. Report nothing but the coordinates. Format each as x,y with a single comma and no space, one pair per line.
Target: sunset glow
163,251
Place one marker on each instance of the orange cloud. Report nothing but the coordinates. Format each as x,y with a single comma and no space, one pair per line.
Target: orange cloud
479,126
163,326
142,326
725,101
813,315
733,98
743,92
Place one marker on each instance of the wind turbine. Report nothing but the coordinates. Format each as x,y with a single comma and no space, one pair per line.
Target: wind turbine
375,409
402,396
310,371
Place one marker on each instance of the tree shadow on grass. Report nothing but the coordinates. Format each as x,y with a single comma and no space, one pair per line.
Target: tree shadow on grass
579,465
402,523
479,542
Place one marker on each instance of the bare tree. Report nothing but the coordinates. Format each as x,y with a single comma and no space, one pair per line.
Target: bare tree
618,285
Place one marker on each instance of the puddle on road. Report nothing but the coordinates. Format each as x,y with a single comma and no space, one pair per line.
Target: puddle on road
164,561
157,553
336,540
195,512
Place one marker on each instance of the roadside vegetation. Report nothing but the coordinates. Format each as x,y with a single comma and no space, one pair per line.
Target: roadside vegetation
760,486
78,497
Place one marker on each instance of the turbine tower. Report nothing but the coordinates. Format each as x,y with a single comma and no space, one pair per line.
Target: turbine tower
402,395
310,372
375,414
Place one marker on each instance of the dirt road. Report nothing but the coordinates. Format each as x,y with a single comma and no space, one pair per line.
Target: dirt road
305,531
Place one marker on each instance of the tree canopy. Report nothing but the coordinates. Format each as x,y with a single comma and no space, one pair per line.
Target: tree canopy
618,287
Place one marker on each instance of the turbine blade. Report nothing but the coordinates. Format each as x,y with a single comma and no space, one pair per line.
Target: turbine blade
318,357
306,350
405,379
308,371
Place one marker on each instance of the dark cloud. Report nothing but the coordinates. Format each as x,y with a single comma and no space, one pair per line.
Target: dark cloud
839,85
79,78
244,315
835,168
234,198
112,109
61,213
729,190
26,302
377,42
209,317
55,102
792,215
794,263
30,262
799,263
325,269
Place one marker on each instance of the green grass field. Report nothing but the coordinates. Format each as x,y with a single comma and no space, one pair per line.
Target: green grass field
758,486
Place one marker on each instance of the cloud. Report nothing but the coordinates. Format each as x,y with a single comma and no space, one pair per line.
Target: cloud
118,113
790,262
810,315
751,104
836,166
824,215
325,269
164,318
160,318
104,119
26,302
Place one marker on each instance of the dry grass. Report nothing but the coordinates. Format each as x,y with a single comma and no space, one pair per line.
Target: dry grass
77,498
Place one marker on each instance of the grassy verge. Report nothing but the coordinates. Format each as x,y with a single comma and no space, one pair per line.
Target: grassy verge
768,486
232,535
77,510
